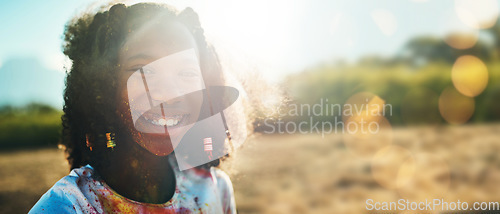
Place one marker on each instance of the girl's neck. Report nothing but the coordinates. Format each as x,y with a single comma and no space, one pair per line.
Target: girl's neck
139,175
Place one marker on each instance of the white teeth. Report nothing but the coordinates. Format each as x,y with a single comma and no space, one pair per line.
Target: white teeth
161,122
169,121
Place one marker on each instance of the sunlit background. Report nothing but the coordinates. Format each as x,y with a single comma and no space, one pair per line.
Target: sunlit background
436,63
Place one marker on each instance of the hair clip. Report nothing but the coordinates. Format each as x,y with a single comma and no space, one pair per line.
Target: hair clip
110,140
87,142
207,146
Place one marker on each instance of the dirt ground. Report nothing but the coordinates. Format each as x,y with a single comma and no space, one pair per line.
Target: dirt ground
311,174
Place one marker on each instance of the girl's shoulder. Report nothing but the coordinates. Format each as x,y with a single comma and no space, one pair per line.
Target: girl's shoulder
66,196
225,188
222,179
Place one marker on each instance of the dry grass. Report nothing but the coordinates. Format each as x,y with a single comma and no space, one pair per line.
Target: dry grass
309,174
26,175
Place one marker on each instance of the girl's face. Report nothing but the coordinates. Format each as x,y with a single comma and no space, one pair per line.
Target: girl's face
159,65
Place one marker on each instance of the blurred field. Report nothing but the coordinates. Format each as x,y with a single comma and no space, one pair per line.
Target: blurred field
26,175
308,174
33,125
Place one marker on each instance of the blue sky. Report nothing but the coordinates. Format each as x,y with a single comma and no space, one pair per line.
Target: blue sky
282,36
34,28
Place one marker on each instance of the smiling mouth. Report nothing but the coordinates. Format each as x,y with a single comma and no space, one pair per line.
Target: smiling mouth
169,121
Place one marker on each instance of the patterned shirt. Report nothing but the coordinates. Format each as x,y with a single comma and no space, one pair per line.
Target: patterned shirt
197,191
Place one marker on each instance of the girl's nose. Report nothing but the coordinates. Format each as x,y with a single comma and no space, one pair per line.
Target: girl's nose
165,94
166,91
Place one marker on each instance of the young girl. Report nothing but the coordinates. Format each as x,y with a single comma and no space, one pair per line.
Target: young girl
135,99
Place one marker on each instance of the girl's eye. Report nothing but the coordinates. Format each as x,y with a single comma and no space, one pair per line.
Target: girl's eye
188,73
134,69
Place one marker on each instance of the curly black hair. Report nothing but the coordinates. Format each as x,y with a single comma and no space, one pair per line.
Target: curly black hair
92,43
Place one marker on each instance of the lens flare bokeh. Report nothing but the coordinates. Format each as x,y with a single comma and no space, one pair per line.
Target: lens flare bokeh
469,75
454,107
